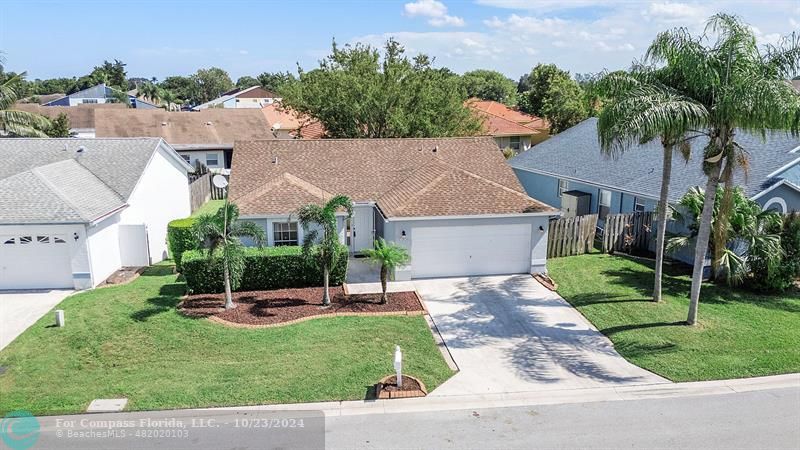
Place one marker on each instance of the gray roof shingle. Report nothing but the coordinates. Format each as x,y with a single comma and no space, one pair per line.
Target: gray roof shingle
49,181
575,154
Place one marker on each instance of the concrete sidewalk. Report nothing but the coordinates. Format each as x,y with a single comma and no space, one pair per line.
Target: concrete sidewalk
552,397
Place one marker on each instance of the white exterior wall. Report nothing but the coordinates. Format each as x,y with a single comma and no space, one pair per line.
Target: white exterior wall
161,195
393,230
505,141
80,100
79,256
103,248
202,156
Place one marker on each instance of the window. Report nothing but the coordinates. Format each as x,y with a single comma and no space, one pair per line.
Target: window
10,241
604,203
43,239
25,239
89,100
186,158
515,143
58,240
284,233
563,186
212,160
638,206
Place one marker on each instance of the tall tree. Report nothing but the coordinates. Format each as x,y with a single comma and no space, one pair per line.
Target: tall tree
275,81
210,84
743,89
150,92
642,109
246,82
220,233
111,73
14,122
184,88
533,87
356,93
321,242
564,104
490,85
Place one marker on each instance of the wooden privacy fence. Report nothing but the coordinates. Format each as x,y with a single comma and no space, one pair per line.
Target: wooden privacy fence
571,236
199,191
624,232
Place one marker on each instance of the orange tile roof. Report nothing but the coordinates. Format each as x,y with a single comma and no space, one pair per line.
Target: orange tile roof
500,120
293,123
405,177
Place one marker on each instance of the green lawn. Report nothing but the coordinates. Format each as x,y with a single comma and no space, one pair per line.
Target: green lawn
129,341
740,334
210,207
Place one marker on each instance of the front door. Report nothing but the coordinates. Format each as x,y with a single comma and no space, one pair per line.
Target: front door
363,228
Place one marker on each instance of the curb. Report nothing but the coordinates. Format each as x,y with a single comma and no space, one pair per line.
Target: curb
545,397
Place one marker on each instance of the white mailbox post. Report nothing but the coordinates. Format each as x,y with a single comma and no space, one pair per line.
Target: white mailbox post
398,365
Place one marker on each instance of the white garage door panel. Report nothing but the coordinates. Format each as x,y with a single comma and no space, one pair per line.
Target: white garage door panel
470,250
35,262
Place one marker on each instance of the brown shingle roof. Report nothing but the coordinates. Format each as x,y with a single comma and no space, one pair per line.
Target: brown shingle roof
80,116
292,122
205,127
406,177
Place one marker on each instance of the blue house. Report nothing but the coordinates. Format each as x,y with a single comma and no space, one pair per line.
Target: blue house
98,94
572,164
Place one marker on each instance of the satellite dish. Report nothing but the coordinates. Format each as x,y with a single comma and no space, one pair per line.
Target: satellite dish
220,181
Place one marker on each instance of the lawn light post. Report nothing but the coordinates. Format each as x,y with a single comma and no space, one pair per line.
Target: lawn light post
398,365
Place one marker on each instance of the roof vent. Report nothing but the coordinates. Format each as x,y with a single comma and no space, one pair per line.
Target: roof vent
435,148
81,149
275,160
208,123
65,147
163,124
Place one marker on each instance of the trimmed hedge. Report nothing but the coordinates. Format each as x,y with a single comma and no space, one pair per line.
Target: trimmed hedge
264,269
181,238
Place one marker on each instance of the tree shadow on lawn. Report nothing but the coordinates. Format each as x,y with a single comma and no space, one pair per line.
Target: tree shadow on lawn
679,286
592,298
168,298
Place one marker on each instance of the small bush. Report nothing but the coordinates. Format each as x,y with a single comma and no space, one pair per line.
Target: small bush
264,269
181,238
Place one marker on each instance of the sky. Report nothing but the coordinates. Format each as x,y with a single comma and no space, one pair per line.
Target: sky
160,38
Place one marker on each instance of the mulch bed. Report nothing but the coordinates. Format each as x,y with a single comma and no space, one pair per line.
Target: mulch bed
412,387
270,308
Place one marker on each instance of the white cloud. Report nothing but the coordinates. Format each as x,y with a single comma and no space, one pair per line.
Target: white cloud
435,11
545,5
530,25
675,13
243,52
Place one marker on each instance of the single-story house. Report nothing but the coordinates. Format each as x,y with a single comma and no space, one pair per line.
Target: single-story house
206,136
252,97
509,127
571,164
454,203
97,95
76,210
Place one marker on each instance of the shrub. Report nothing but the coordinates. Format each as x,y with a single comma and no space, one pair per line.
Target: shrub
181,238
787,271
264,269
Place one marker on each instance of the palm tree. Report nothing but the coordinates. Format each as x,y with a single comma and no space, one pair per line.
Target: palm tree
742,89
150,92
643,108
220,234
753,233
315,218
14,122
389,256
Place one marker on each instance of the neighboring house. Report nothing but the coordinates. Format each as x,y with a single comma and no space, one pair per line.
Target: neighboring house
571,165
76,210
453,202
510,128
81,117
288,124
252,97
96,95
206,136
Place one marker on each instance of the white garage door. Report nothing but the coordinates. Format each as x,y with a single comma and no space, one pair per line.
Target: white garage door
36,261
470,250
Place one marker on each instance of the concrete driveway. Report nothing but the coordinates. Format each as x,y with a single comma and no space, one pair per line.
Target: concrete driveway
21,309
510,334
